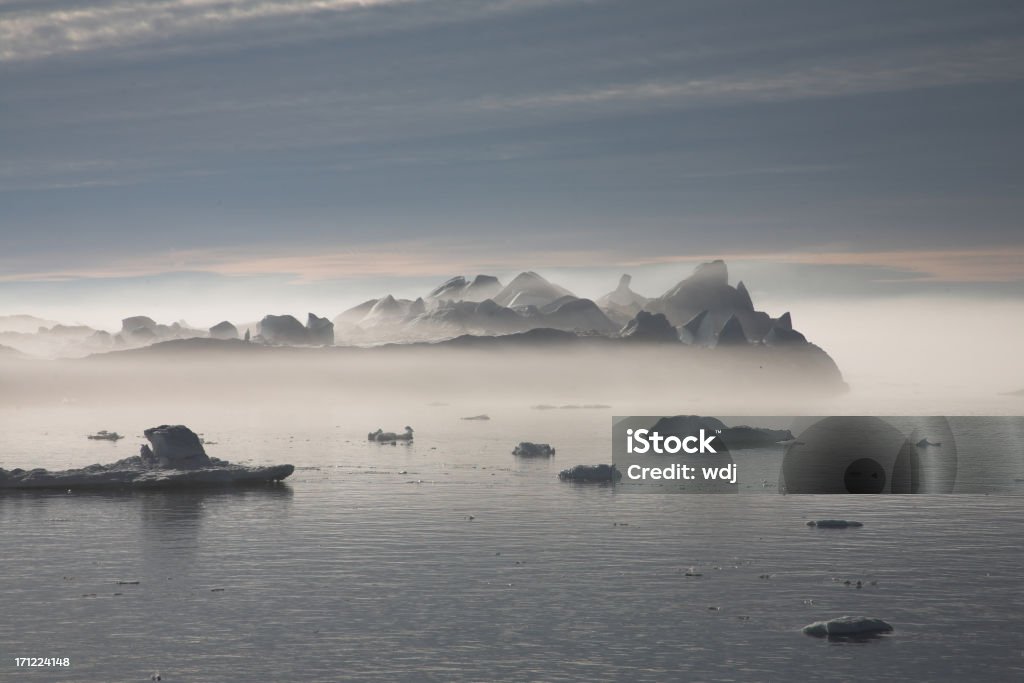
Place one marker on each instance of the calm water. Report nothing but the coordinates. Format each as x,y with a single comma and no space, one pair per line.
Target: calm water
367,566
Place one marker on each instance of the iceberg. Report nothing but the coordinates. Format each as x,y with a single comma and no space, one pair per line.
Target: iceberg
623,303
174,459
104,435
847,627
283,329
527,449
650,327
320,331
530,289
459,288
224,330
380,436
591,474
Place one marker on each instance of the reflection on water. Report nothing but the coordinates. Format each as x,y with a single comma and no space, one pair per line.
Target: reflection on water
170,525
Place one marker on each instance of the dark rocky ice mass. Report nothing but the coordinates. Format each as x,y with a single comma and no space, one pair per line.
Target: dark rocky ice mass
528,449
224,330
380,436
847,627
175,458
588,474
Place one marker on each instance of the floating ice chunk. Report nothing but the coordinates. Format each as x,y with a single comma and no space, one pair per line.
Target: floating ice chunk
104,435
590,473
527,449
847,626
175,460
380,436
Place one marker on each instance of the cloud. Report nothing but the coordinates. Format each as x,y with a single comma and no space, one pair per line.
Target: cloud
1005,265
305,120
411,258
436,258
984,62
34,34
101,25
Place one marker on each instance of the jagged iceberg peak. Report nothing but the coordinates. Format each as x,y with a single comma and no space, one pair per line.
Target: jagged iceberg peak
417,307
712,312
708,289
732,333
711,277
448,287
141,330
530,289
382,319
713,272
698,330
459,288
319,331
622,304
744,296
283,329
174,447
353,315
224,330
487,307
622,296
650,327
313,321
135,322
386,304
485,281
572,314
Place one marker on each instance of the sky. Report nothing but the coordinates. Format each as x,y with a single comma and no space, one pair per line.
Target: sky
209,158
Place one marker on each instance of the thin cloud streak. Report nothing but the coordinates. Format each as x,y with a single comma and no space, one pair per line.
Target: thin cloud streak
406,259
937,266
423,258
33,35
379,119
988,62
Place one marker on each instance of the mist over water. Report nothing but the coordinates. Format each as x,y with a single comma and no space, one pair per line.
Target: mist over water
924,354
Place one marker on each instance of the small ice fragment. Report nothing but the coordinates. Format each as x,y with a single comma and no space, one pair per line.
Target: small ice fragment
847,626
